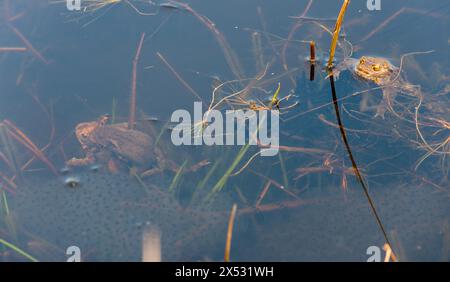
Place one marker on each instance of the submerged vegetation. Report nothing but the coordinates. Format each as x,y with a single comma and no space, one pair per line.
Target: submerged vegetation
363,162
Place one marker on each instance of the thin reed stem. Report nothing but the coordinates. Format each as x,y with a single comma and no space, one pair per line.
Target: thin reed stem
132,113
337,29
230,233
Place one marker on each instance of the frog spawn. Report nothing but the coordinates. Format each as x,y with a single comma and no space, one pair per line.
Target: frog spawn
343,227
105,216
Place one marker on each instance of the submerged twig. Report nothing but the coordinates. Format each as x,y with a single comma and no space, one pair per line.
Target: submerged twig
230,57
17,134
178,76
263,193
394,16
28,44
13,49
230,233
132,113
52,129
139,11
8,185
19,34
291,34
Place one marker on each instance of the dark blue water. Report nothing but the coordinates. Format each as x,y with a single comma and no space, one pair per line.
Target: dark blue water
315,208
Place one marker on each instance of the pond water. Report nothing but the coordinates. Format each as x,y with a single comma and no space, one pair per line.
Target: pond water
128,187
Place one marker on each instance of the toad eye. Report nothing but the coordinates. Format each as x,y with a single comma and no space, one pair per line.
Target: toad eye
376,67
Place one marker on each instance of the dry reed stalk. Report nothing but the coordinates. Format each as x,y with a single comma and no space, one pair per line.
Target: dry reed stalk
132,113
230,233
337,29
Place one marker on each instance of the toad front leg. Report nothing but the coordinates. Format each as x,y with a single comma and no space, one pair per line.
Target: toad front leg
87,160
112,164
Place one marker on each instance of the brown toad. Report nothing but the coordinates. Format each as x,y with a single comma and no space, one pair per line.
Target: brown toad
385,75
378,70
116,143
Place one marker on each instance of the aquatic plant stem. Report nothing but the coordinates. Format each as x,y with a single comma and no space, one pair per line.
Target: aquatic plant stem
228,52
13,49
263,193
28,44
7,184
405,10
19,136
312,52
25,41
230,233
291,34
283,171
336,31
223,180
18,250
177,177
178,76
5,203
312,59
132,113
352,159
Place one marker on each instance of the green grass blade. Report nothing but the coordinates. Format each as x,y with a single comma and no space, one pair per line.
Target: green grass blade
18,250
283,171
177,177
203,182
223,180
139,179
5,203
